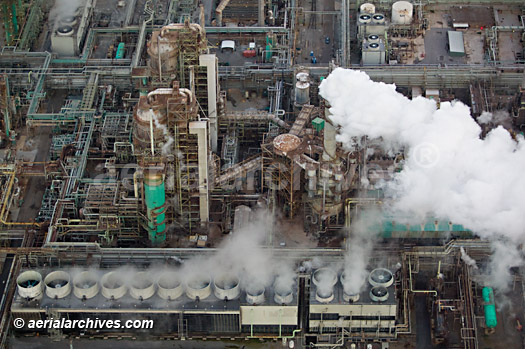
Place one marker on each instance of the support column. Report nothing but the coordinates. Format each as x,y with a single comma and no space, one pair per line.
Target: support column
210,62
199,128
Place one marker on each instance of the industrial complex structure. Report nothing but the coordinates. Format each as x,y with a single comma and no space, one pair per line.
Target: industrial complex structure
146,143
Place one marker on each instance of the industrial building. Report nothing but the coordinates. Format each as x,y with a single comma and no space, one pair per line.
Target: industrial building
174,161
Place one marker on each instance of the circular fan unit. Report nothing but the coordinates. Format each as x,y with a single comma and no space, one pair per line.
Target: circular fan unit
65,30
379,294
381,277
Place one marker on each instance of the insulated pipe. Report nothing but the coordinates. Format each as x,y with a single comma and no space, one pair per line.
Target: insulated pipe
155,200
312,180
159,91
171,26
187,93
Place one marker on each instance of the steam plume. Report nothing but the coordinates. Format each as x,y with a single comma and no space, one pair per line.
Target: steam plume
450,172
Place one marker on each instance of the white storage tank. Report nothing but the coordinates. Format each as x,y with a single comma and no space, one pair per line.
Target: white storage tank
402,12
29,285
302,88
58,284
367,8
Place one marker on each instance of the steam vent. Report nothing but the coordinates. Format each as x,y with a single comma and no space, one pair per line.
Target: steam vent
304,174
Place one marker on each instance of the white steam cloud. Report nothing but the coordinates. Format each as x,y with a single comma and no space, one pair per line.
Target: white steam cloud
450,172
64,8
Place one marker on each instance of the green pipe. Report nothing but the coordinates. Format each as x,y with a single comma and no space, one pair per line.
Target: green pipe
155,199
490,308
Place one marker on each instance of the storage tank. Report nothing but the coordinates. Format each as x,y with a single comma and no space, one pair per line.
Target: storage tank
29,285
142,286
489,306
113,285
199,286
169,286
367,8
402,12
57,284
227,286
302,88
85,285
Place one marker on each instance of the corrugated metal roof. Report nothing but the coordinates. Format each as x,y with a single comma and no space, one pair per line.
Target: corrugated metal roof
455,42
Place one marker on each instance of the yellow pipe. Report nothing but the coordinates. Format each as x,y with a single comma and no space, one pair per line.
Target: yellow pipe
7,197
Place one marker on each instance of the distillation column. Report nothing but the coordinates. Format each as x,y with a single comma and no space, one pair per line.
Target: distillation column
155,194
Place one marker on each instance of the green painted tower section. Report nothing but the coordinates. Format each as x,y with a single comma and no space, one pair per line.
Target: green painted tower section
155,199
490,308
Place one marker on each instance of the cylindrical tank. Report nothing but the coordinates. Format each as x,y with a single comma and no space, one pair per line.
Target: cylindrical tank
85,285
169,286
365,19
199,286
489,306
302,92
286,143
144,116
142,286
29,285
166,47
255,294
378,18
121,51
58,284
402,12
226,287
378,294
381,277
367,8
113,285
155,199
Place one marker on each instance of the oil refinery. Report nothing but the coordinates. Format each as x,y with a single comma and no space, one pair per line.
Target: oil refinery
262,174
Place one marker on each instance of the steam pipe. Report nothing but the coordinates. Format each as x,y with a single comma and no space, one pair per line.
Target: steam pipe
434,292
